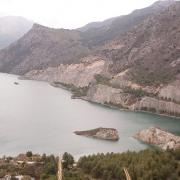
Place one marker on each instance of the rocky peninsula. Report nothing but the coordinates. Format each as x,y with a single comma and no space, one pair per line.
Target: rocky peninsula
100,133
159,137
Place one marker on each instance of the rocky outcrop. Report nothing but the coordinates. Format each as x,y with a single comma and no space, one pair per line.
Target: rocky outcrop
105,94
171,91
118,91
100,133
159,137
123,80
79,75
157,106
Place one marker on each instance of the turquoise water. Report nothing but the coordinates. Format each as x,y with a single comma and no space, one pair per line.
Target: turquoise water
36,116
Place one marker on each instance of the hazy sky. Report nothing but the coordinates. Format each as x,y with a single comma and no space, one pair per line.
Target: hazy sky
69,13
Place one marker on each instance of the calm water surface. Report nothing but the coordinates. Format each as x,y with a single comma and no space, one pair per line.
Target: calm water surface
36,116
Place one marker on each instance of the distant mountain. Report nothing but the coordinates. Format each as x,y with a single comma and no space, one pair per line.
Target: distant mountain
136,70
95,25
12,28
98,33
42,47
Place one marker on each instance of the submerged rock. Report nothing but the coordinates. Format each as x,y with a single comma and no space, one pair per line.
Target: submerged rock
16,83
100,133
159,137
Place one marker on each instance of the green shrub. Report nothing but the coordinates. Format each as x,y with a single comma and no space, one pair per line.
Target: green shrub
100,79
138,92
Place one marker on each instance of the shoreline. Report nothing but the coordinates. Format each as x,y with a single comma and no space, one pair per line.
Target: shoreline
100,104
95,103
124,109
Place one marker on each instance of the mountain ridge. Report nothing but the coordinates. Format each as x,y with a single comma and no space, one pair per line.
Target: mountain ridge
116,26
137,69
58,45
12,28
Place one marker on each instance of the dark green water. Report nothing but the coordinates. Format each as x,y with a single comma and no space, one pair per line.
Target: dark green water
36,116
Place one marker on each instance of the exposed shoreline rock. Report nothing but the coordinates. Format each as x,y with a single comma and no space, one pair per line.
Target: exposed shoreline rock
79,75
110,96
159,137
100,133
158,106
91,80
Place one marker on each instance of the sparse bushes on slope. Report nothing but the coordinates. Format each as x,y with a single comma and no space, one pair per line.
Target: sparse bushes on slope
100,79
77,91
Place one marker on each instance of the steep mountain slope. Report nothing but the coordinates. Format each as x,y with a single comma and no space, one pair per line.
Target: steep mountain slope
12,28
136,71
145,65
150,50
100,32
42,47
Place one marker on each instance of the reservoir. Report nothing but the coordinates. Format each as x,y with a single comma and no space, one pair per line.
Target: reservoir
38,117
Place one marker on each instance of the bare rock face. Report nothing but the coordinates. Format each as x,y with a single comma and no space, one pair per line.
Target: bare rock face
171,92
79,75
100,133
157,106
105,94
159,137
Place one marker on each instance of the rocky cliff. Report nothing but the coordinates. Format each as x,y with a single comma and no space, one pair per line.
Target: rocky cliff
171,91
79,75
159,137
111,90
107,95
157,106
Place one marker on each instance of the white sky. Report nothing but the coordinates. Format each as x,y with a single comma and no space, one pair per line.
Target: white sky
69,13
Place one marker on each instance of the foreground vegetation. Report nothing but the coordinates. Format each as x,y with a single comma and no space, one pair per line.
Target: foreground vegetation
143,165
29,165
76,91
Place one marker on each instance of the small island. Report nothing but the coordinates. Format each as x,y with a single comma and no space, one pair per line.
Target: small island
159,137
100,133
16,83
